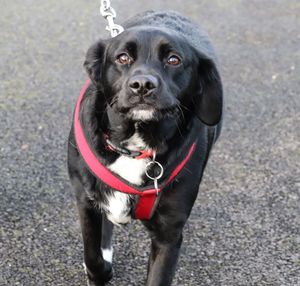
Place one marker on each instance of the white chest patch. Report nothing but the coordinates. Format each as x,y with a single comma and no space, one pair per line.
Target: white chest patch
132,170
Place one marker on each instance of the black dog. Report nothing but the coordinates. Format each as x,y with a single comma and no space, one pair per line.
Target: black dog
153,109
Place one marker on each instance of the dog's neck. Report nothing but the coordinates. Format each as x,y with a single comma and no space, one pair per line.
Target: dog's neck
119,127
151,134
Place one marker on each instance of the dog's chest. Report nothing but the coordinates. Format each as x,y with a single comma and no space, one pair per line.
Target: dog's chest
132,170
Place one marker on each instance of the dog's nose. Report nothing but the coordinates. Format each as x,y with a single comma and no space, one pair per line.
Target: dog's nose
143,85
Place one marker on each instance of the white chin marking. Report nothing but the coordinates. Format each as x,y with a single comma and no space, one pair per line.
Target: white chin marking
107,254
142,114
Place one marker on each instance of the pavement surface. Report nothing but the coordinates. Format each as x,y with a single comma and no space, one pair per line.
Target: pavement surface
245,227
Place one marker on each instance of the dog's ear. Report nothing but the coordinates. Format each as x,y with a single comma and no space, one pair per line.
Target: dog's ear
209,100
94,61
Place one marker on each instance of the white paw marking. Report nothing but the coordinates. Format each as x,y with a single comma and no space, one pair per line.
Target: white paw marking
85,271
84,267
107,254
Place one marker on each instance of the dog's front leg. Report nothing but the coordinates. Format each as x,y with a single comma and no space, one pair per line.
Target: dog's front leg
98,270
163,260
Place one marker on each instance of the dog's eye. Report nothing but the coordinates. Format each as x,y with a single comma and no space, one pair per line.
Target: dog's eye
174,60
124,59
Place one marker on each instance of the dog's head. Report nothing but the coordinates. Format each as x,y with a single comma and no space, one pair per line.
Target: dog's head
147,73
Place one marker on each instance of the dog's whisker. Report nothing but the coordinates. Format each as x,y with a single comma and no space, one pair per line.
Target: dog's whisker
186,108
114,101
178,128
181,111
187,169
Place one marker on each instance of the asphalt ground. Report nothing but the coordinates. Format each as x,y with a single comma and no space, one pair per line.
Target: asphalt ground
245,227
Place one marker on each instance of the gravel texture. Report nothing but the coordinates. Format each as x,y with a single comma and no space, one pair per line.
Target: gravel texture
245,227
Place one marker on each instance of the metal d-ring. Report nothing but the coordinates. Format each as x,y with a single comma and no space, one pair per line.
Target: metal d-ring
155,179
149,164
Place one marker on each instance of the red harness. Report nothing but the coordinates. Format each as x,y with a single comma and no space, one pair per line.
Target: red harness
147,197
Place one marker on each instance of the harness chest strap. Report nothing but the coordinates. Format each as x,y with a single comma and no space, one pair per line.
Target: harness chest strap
147,198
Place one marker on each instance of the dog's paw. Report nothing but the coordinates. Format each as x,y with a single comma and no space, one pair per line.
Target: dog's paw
100,278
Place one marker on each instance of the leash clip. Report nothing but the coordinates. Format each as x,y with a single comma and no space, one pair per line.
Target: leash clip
156,178
110,14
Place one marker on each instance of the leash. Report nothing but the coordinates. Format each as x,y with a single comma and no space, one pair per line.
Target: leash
110,14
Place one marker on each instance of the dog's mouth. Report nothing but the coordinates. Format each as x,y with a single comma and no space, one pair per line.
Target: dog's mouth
147,112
